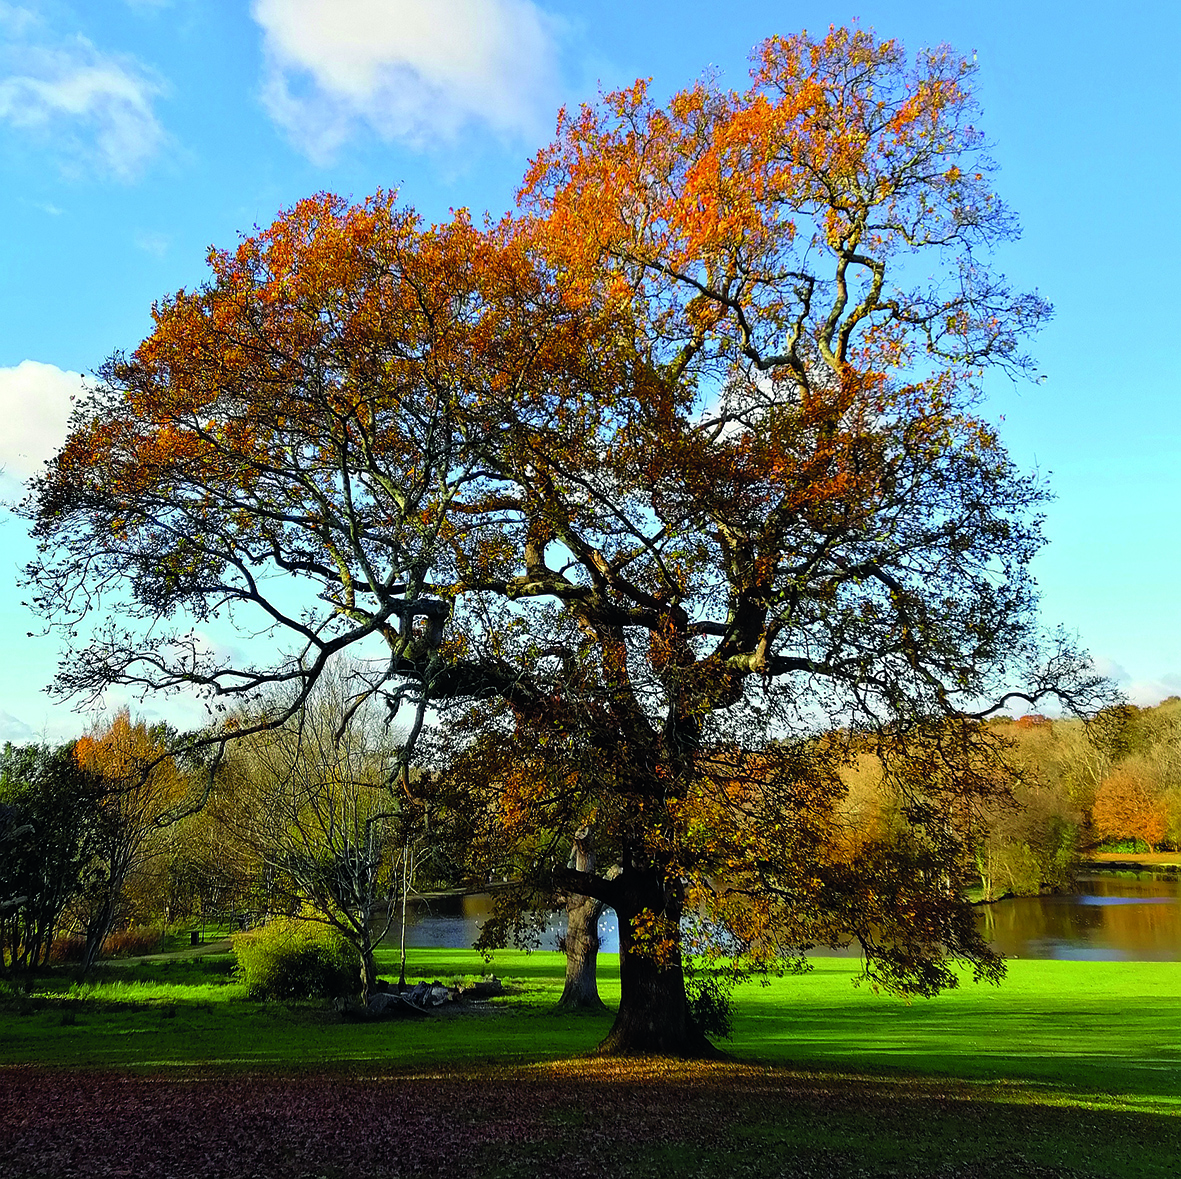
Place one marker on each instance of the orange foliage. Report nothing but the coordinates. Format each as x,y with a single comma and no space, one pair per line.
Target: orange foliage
138,776
676,461
1128,807
1032,720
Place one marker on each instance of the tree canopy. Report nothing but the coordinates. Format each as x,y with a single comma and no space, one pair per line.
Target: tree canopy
642,487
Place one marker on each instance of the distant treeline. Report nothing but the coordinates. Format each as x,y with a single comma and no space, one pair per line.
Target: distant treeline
109,832
1114,782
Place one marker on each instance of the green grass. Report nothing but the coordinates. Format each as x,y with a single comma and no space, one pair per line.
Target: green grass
1065,1063
1103,1028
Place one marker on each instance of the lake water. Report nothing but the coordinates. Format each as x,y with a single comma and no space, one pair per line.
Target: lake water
453,922
1110,916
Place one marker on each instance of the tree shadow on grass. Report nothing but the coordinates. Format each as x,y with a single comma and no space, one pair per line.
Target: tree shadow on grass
578,1117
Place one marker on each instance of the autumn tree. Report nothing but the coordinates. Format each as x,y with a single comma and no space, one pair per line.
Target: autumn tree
1131,804
139,790
658,478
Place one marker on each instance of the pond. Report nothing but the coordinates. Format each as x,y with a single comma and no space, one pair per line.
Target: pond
1110,916
453,922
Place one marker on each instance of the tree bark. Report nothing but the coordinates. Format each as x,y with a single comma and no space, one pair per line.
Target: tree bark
582,954
405,898
582,933
368,974
653,1017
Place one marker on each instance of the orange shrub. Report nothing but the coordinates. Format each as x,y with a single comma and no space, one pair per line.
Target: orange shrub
67,948
130,943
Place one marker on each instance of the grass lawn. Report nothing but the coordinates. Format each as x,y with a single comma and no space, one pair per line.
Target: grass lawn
1068,1068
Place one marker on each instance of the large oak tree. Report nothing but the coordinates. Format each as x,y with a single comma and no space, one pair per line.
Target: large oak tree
643,487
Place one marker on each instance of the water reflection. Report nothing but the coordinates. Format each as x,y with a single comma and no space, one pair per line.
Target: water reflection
453,923
1132,916
1129,916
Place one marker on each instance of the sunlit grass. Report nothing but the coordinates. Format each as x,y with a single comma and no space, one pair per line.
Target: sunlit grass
1066,1064
141,992
1111,1027
1084,1031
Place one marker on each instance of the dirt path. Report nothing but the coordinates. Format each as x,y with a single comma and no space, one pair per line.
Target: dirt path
220,946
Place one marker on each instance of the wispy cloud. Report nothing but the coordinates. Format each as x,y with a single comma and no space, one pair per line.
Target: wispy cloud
13,729
1146,693
94,109
411,70
1139,691
152,243
16,21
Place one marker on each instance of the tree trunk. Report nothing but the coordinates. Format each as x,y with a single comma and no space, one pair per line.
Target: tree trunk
582,934
97,929
368,973
653,1016
405,897
582,953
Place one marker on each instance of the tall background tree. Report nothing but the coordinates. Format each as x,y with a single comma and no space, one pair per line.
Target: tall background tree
49,833
657,480
139,792
310,803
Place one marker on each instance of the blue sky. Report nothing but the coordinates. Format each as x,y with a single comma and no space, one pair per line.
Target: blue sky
134,134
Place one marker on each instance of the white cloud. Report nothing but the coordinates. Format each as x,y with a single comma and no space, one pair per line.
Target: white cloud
1146,693
1143,692
1109,669
35,404
17,21
95,108
414,70
13,729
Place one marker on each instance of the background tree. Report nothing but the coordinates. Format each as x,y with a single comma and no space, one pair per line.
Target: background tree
1131,804
311,800
580,942
12,830
48,813
492,781
139,786
204,874
664,476
1028,842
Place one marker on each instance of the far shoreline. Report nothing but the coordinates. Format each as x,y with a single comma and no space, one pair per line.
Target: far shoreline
1134,862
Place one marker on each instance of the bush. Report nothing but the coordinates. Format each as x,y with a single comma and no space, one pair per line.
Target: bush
133,943
67,949
292,959
711,1008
